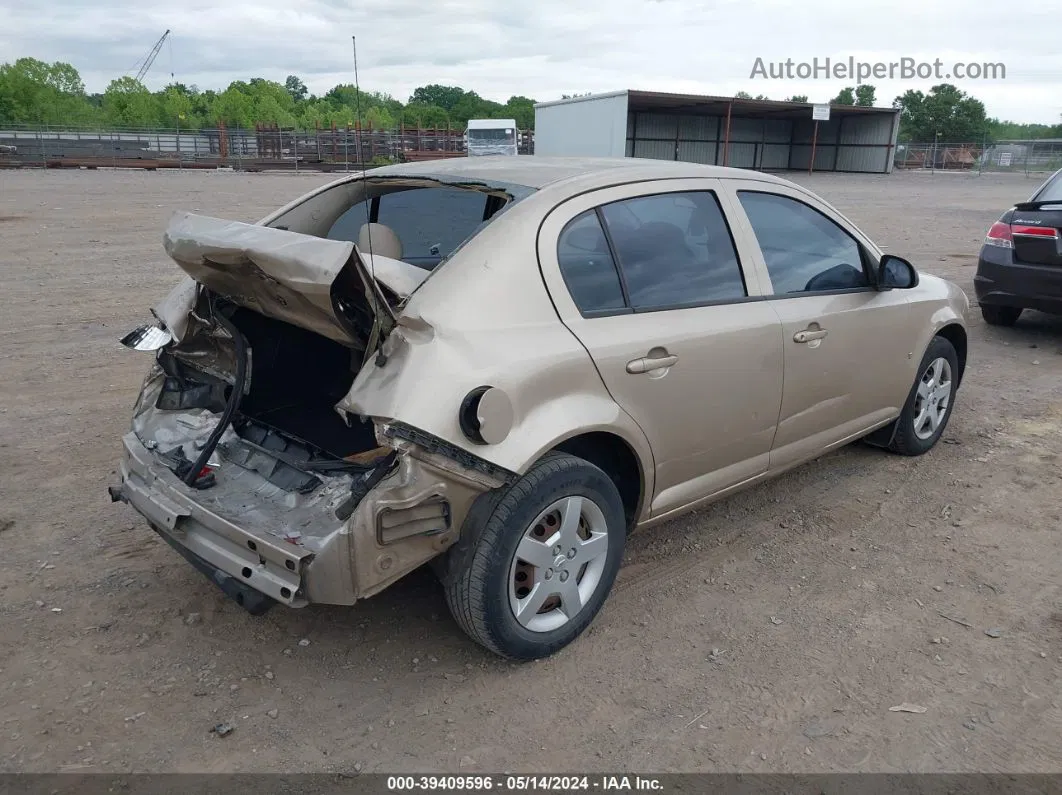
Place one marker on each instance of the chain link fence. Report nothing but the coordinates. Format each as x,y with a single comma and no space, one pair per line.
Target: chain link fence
265,147
1030,157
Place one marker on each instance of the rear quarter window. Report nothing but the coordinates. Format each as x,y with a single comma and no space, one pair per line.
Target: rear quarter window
1052,190
430,222
587,266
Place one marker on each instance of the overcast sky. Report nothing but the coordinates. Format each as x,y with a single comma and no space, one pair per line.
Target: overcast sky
545,48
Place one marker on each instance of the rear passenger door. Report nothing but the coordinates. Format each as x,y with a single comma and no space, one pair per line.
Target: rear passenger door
844,341
649,279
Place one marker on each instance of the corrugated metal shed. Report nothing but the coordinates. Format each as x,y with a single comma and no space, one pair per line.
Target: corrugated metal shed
729,131
586,126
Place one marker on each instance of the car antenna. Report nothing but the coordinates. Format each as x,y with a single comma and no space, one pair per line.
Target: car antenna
381,359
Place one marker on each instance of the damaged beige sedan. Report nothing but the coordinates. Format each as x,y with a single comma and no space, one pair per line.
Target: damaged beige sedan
501,366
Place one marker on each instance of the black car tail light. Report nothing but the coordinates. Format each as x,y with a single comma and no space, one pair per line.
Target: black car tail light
999,234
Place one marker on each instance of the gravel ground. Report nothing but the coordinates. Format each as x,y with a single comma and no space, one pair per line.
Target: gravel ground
770,632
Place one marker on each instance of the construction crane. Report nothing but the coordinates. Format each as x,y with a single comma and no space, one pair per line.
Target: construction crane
150,58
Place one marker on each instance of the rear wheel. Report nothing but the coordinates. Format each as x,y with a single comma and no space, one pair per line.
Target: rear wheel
1000,315
928,408
542,560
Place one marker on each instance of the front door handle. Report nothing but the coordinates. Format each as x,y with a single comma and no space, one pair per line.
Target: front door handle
648,363
809,335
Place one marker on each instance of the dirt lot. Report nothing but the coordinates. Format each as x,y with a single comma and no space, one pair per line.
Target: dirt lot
771,632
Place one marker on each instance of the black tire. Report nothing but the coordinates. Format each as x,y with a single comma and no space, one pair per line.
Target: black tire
1000,315
906,440
476,572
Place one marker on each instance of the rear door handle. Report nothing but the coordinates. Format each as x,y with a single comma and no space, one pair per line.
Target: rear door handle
646,364
809,335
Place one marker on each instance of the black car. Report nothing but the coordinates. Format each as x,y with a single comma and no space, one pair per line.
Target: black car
1020,266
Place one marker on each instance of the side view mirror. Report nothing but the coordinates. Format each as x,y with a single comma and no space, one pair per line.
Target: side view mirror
896,273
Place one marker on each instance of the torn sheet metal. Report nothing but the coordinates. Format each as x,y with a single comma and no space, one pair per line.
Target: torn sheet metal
399,277
284,275
172,311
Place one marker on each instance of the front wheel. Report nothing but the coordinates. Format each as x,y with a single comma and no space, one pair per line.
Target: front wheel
928,408
540,561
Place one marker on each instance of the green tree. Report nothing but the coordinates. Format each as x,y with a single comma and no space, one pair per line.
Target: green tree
203,107
445,97
296,88
522,109
473,106
797,98
845,97
271,103
864,95
742,95
234,107
320,112
127,103
51,93
176,107
267,109
945,111
347,96
36,92
416,113
999,130
380,118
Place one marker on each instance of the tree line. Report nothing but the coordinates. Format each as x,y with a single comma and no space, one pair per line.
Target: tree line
37,93
944,113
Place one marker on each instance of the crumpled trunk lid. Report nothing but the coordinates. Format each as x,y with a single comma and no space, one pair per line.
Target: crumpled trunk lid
317,284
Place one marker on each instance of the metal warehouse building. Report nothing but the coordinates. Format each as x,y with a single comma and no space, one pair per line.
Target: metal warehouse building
743,133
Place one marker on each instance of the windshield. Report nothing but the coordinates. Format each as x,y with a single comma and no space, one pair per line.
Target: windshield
498,135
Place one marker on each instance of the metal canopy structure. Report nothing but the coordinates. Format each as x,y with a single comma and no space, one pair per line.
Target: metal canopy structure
745,133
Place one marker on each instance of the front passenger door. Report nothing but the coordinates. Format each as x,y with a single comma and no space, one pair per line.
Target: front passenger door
843,339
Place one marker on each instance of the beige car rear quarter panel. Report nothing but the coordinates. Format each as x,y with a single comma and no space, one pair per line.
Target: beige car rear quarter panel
485,319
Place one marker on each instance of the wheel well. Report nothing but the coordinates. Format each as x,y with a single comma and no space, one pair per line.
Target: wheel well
956,335
617,460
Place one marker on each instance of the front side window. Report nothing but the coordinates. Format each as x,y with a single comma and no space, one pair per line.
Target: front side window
803,249
674,249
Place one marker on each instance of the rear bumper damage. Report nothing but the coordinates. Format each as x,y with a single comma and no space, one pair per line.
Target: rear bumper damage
239,454
338,545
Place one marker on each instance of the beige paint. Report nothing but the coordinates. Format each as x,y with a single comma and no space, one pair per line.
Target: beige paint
742,402
280,274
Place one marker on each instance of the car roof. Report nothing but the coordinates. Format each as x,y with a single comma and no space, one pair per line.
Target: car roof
536,171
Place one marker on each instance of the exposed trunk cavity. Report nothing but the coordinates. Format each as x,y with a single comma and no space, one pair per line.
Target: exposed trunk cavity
362,506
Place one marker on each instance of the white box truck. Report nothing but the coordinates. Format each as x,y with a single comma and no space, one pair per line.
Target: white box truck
491,137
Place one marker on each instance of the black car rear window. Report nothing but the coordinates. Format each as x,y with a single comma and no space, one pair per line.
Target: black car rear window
1052,191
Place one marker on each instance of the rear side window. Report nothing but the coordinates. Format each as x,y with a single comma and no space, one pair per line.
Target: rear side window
587,265
674,249
1052,190
430,222
804,250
